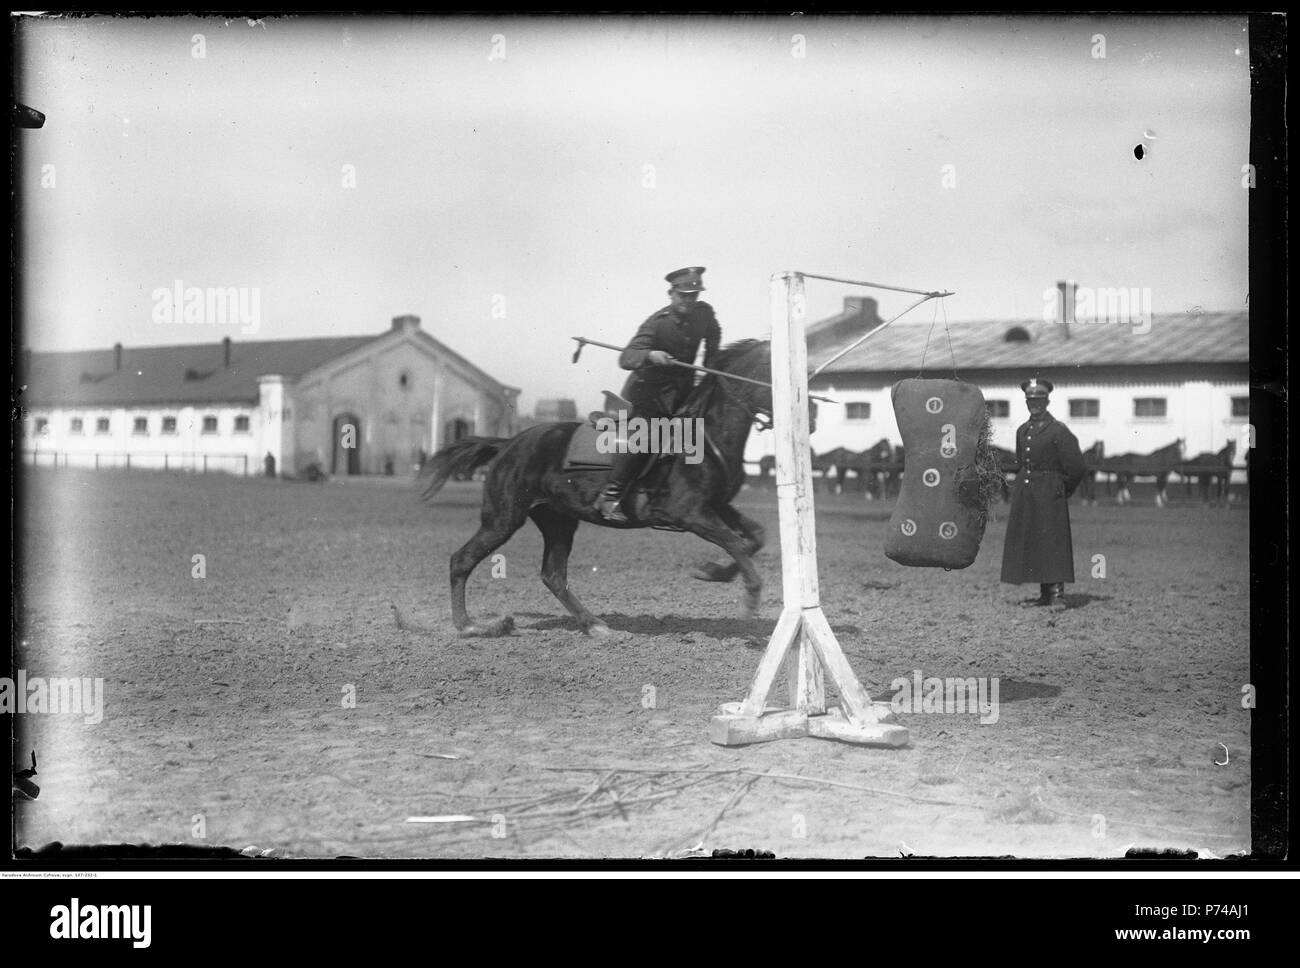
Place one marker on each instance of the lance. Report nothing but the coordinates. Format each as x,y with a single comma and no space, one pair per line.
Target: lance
583,341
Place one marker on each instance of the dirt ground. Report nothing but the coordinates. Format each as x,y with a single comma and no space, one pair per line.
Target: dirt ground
228,699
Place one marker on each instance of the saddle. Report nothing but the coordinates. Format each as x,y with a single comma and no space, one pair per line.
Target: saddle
585,451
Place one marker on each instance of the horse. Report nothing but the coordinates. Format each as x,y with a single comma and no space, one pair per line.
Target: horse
841,461
1210,468
1009,465
1158,464
1092,463
526,478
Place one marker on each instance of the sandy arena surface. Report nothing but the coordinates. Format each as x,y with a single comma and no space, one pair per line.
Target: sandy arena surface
228,714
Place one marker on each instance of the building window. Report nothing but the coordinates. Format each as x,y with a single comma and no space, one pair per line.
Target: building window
140,425
241,424
857,411
101,425
169,425
1241,407
998,408
76,426
1149,406
42,426
1085,409
209,424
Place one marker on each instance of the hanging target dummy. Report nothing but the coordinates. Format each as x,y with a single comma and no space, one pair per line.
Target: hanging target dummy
949,477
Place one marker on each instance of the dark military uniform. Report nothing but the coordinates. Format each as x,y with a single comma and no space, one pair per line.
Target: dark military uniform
656,391
1038,546
677,330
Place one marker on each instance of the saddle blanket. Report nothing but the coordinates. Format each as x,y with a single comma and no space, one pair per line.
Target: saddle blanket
595,446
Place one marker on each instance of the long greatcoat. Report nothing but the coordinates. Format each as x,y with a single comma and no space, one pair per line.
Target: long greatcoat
1038,547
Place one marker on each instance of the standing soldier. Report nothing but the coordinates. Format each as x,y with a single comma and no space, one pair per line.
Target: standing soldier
1038,546
656,386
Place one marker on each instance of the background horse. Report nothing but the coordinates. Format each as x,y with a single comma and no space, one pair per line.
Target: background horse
1009,465
1092,463
527,479
841,460
1209,468
1158,464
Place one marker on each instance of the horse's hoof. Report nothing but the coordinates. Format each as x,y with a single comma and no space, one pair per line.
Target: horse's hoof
712,571
599,629
749,605
489,630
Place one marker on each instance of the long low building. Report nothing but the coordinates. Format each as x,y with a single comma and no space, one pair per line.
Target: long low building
347,405
1135,389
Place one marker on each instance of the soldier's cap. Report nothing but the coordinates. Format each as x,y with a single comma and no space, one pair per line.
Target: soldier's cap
687,280
1037,387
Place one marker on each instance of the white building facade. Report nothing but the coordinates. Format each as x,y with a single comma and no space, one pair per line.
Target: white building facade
355,405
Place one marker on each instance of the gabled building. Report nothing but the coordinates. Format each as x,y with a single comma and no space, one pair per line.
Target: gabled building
349,405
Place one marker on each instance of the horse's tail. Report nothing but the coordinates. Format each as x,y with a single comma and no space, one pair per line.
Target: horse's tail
461,457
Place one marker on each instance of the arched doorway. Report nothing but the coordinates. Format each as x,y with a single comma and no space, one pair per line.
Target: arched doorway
457,429
347,444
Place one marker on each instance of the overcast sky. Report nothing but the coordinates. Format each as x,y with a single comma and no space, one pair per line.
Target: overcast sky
502,164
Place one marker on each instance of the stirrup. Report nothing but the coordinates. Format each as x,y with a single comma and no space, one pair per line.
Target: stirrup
608,504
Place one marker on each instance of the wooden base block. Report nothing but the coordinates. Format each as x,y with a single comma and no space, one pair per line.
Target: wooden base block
730,728
835,725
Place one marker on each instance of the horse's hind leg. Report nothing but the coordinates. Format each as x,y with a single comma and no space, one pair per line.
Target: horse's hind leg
750,530
557,532
486,540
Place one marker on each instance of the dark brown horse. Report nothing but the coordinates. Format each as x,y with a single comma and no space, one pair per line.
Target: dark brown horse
527,479
1158,464
1211,469
1092,463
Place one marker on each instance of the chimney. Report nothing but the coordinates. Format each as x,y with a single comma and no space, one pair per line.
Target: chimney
225,345
1065,301
406,323
117,356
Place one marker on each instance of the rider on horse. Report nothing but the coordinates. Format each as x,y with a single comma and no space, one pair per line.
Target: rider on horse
656,387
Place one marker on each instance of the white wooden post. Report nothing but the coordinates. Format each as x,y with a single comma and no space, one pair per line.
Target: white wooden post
802,623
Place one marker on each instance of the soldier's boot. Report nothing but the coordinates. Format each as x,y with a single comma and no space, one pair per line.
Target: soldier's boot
1044,597
1056,595
608,503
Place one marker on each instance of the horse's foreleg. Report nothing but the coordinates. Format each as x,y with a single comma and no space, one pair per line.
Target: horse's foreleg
557,532
486,540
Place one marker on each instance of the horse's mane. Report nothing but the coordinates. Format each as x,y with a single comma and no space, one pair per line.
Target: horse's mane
727,359
732,352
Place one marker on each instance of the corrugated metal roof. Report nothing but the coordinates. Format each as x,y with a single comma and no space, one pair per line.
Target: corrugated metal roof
1207,338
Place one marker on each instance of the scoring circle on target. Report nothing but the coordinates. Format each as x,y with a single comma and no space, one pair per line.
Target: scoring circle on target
930,478
908,527
948,530
934,405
